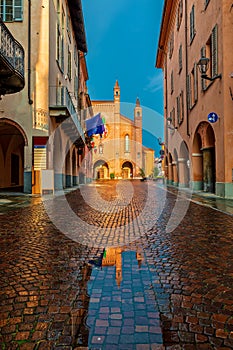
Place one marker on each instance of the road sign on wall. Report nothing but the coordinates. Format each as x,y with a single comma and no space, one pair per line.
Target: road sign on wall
213,117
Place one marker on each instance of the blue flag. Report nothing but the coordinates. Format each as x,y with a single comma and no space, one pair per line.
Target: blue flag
95,125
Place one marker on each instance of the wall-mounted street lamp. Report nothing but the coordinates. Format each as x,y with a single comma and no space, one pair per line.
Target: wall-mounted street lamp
169,124
203,65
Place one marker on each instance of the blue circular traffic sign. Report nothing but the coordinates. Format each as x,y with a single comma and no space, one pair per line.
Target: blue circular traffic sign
212,117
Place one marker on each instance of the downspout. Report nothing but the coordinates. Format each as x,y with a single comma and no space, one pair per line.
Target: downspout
166,102
186,68
29,53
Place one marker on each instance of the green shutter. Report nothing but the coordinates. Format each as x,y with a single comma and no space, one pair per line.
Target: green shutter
178,109
189,92
195,83
182,105
203,81
214,50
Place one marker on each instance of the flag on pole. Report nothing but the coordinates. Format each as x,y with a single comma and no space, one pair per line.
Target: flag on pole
95,125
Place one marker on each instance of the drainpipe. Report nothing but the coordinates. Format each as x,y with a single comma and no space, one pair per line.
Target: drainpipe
29,53
166,102
186,72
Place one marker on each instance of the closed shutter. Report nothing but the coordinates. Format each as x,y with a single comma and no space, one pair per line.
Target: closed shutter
172,82
178,109
214,50
203,81
180,58
192,24
189,92
195,83
182,106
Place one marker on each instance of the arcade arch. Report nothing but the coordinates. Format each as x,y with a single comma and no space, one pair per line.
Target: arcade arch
12,142
101,170
203,158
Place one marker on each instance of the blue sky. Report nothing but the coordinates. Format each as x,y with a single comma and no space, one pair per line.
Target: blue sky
122,38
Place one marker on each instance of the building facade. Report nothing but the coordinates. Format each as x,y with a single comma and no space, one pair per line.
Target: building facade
195,52
119,152
43,123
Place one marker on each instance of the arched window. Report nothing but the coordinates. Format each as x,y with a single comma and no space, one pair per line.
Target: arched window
127,143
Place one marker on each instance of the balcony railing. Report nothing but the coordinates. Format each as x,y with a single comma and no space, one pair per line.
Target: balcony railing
64,106
12,61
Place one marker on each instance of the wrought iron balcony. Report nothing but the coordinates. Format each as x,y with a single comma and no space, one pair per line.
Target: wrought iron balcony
63,109
11,62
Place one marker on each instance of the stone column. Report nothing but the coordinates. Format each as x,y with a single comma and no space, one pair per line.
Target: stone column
197,168
183,172
170,174
175,174
208,170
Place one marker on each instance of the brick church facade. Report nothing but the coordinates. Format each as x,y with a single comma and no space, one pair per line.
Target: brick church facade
119,153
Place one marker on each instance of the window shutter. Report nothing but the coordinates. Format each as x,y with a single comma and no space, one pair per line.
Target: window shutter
195,83
214,50
180,57
178,109
191,24
182,105
172,82
189,92
203,82
181,8
18,10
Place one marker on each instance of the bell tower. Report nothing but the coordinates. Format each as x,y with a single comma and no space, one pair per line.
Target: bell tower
117,92
117,114
138,134
138,121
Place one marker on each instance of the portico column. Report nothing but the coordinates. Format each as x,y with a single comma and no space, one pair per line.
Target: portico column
197,167
183,172
170,173
208,176
175,173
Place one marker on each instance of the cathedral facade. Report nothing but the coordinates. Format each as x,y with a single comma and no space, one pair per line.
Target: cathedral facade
118,153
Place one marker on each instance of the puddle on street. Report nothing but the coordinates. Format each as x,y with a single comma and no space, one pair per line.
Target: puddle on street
121,307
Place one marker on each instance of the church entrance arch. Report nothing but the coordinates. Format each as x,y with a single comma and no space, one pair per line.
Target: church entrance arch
101,170
127,170
12,142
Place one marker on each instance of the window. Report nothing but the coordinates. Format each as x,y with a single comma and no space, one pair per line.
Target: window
171,45
76,85
180,107
60,94
172,117
11,10
192,24
69,64
180,58
127,143
172,82
101,150
179,14
60,48
210,50
58,6
192,87
68,27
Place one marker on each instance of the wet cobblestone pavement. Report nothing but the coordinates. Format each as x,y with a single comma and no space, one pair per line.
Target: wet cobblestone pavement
164,290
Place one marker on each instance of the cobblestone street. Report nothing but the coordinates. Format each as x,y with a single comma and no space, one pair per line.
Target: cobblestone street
155,289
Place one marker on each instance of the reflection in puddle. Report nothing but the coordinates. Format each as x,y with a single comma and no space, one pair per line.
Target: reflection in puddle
122,306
